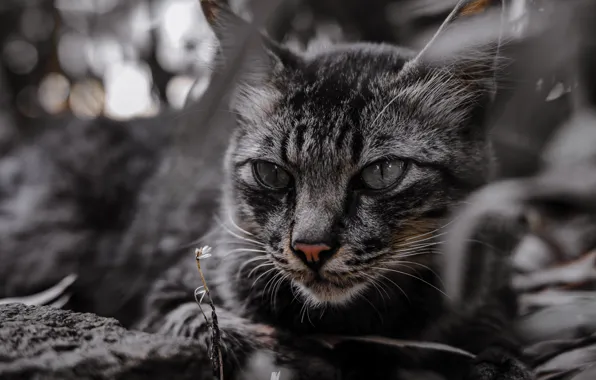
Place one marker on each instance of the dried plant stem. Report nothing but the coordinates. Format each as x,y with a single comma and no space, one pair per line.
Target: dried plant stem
215,354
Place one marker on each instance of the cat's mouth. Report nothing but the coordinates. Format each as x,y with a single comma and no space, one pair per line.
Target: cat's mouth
322,289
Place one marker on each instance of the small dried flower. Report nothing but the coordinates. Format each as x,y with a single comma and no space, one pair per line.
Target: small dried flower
203,291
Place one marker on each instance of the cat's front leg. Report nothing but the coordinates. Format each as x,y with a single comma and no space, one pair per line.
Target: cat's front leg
244,344
240,338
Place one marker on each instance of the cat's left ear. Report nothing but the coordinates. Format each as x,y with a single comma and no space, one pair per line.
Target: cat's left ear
469,41
237,38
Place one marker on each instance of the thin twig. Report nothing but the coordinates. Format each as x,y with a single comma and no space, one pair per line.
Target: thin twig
215,352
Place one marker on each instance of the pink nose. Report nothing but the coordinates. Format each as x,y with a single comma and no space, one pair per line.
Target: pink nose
312,252
313,255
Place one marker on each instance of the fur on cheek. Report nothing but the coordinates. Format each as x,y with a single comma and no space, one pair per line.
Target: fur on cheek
293,262
416,237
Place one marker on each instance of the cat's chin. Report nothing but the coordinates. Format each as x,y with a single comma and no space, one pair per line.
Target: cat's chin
325,292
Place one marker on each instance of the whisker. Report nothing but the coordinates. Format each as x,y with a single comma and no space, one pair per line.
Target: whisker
373,306
234,224
294,293
323,309
418,278
421,241
424,266
422,246
397,286
303,312
271,281
247,250
206,236
500,251
422,252
240,237
308,317
257,267
276,289
258,258
261,275
433,231
271,299
236,241
376,286
285,280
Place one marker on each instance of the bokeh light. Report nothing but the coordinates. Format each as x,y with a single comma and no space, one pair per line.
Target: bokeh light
20,56
121,59
71,53
36,24
103,52
128,90
87,98
53,93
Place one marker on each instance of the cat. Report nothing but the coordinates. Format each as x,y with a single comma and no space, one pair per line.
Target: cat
339,181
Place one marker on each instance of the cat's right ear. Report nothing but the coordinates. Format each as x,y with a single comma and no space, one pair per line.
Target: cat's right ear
255,56
469,40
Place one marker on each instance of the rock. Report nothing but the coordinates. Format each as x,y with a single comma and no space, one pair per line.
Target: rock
46,343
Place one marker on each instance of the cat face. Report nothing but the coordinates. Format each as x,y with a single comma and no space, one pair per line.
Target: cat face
345,162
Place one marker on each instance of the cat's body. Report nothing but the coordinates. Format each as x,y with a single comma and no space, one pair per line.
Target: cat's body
339,180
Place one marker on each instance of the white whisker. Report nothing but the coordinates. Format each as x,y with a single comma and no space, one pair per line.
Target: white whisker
308,317
261,275
411,275
247,250
271,281
433,231
415,249
204,237
302,312
257,267
258,258
231,219
422,241
376,286
236,241
421,252
373,306
400,262
276,288
239,236
393,282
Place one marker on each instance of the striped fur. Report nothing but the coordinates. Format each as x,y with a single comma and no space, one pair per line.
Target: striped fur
323,116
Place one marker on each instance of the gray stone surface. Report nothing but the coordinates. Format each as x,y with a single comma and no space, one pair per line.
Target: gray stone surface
46,343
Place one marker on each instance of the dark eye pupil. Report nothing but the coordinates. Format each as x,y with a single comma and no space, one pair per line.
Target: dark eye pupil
382,174
271,175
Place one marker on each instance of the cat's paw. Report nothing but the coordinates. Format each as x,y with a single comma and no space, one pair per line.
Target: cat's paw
498,364
267,336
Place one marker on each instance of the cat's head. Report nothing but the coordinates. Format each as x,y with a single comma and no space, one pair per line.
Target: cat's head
345,160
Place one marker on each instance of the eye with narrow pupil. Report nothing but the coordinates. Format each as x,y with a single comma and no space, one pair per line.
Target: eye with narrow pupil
382,174
270,175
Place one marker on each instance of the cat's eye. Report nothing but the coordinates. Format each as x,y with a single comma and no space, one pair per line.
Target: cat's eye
270,175
382,174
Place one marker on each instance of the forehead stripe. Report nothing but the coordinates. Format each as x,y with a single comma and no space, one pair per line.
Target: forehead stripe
343,132
299,142
357,145
284,147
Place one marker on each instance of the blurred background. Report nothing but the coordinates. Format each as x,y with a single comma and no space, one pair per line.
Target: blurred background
132,58
120,59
